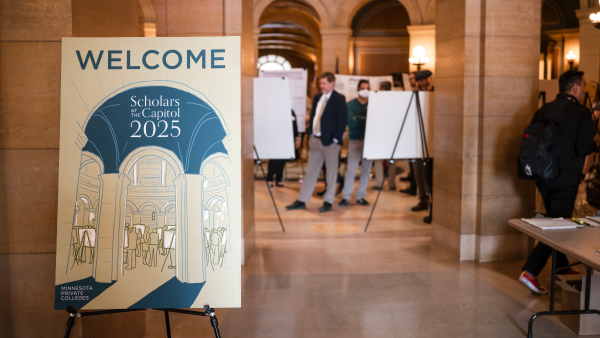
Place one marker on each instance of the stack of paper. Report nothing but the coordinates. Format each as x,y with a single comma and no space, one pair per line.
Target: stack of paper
593,221
552,223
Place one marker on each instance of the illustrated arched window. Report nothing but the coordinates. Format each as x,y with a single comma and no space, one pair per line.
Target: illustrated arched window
273,62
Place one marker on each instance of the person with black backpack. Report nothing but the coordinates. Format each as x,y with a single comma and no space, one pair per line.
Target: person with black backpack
555,144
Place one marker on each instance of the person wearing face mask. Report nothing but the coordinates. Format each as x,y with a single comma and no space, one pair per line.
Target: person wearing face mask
357,122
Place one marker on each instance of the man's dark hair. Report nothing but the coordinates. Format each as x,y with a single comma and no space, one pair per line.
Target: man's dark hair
329,76
568,79
385,85
361,82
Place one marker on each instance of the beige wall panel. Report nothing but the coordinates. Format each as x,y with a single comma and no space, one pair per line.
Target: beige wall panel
27,298
191,17
471,126
448,96
449,58
499,176
496,210
160,8
450,15
514,18
510,97
447,214
451,176
107,18
448,137
28,200
471,95
502,135
472,55
29,94
35,20
503,59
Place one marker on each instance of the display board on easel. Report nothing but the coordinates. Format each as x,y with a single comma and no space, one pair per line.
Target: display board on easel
385,116
149,207
273,125
298,82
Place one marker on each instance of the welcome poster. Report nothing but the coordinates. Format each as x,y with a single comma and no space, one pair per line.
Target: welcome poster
149,198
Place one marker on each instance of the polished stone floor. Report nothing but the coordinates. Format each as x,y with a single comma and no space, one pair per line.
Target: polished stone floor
326,277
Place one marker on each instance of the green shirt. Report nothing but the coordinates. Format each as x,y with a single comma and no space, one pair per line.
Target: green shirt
357,119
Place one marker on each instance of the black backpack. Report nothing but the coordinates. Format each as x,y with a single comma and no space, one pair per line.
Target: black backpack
540,150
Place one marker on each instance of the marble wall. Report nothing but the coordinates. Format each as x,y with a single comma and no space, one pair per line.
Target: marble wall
30,50
486,85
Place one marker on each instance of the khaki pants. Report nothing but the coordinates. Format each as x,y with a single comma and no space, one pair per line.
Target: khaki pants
355,151
317,154
379,174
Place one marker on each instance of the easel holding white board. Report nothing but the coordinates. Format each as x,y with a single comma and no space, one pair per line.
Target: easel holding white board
273,130
410,129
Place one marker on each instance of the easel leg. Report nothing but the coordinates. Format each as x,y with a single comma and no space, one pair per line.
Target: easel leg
213,320
168,324
70,321
268,187
391,157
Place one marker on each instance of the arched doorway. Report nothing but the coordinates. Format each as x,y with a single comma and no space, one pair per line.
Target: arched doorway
380,40
291,29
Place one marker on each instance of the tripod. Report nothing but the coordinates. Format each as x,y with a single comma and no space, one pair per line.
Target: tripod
208,312
427,161
259,162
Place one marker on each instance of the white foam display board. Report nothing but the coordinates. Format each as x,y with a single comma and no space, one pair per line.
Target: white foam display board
298,80
273,131
385,114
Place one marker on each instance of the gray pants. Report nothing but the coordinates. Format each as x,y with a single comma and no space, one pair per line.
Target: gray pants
355,151
317,154
379,174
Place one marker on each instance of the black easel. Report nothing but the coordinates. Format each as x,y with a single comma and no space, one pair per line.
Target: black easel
259,162
542,96
208,312
426,159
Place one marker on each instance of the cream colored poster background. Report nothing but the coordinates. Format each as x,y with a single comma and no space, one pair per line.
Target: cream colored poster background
149,211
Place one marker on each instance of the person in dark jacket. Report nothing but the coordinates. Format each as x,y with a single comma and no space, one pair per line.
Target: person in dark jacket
276,165
328,119
578,134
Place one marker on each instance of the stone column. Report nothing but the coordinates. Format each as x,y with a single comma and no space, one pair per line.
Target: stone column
180,183
336,47
589,42
112,208
238,22
486,85
193,251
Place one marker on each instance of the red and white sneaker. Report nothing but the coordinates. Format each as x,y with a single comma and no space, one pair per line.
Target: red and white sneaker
569,272
532,283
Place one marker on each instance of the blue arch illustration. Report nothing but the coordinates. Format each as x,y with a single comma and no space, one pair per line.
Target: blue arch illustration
175,126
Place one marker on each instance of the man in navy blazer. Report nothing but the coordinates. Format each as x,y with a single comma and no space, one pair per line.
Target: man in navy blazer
328,118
